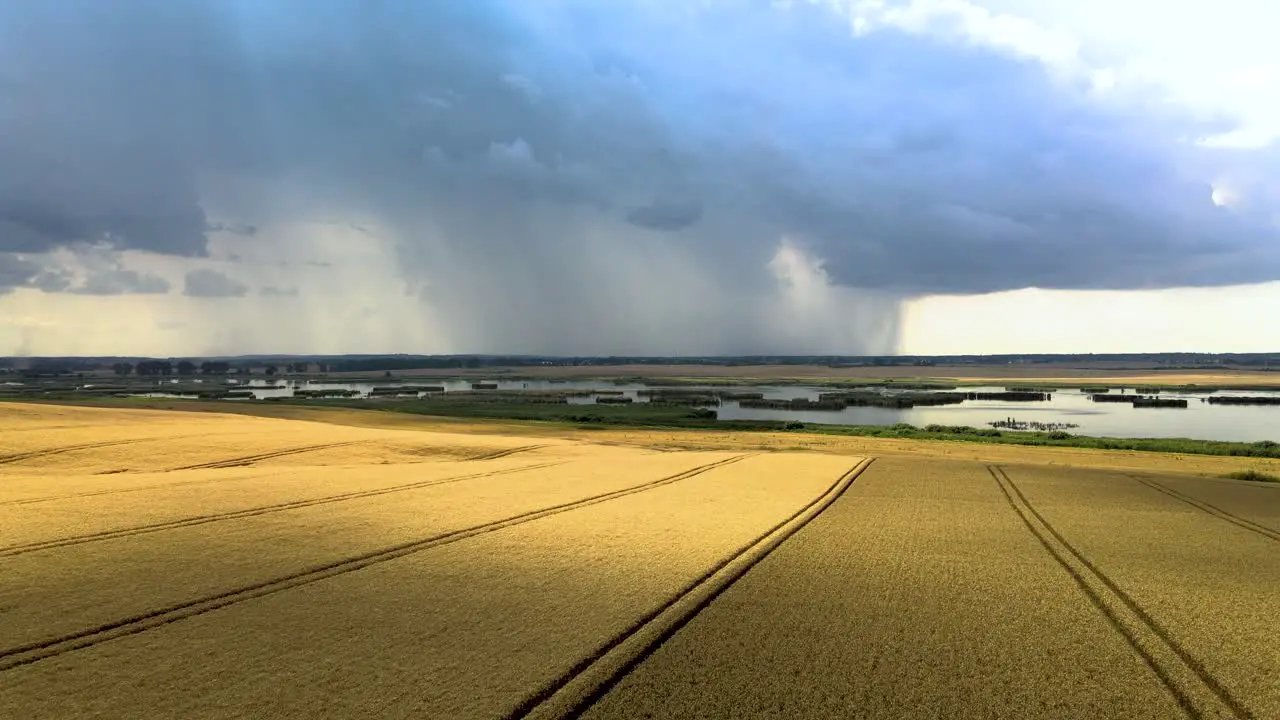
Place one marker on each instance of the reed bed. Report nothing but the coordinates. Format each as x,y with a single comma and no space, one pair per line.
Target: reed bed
1115,398
1244,400
1012,396
1156,402
795,404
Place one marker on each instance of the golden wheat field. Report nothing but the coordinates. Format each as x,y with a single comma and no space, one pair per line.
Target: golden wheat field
158,564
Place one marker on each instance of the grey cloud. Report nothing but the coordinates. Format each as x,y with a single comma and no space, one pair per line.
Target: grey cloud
241,229
523,84
17,271
113,131
51,281
666,216
514,160
272,291
207,283
122,282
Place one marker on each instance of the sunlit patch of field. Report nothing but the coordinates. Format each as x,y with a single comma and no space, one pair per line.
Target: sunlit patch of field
76,441
179,564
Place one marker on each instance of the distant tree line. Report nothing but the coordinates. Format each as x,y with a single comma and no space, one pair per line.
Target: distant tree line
55,367
152,367
166,367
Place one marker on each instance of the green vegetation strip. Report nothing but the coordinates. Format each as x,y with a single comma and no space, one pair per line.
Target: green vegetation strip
643,415
675,417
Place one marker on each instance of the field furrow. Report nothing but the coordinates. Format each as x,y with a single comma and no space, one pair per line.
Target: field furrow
159,500
505,453
122,441
919,594
1212,510
65,598
243,460
203,565
15,457
596,674
145,486
1198,692
1249,504
102,535
1205,586
468,630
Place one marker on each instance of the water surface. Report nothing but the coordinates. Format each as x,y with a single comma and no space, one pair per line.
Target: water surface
1198,420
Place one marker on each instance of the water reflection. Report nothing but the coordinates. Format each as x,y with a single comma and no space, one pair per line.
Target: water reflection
1200,419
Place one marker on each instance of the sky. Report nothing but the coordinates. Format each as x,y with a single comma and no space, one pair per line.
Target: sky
638,177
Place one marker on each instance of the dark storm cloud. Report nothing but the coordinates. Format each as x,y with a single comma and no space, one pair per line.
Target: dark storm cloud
101,140
17,271
666,216
206,283
242,229
529,140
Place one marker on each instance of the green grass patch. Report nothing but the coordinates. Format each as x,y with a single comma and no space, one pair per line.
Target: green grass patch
1057,438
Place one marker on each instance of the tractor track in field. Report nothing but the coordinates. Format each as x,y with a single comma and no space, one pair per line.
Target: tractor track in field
1211,509
117,491
573,693
1197,692
504,453
25,548
251,459
52,647
33,454
235,462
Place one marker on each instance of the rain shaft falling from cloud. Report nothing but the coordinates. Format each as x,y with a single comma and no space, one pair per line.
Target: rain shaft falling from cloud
572,177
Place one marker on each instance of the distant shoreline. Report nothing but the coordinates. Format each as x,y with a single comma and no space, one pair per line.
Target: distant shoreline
641,419
1045,374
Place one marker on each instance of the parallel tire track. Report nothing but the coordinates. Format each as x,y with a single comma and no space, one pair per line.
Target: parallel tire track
1198,693
33,652
117,491
573,693
507,452
236,462
32,454
251,512
250,459
1213,510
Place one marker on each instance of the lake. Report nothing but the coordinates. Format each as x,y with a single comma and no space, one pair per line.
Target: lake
1199,419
